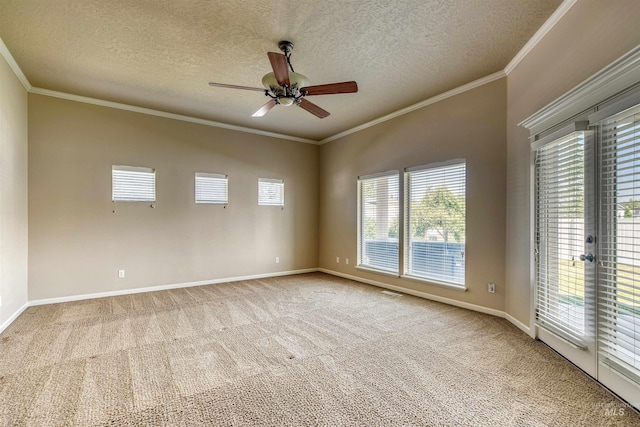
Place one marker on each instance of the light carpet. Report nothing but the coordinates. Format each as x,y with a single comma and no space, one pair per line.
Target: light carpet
300,350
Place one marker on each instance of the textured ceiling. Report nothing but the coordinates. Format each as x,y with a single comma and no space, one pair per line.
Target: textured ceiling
161,54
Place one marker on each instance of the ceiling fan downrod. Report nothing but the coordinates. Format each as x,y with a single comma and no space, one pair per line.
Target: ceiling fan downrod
286,47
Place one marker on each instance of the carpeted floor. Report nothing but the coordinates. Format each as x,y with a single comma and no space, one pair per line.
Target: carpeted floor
300,350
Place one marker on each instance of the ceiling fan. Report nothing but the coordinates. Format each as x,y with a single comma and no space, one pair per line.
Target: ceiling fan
289,88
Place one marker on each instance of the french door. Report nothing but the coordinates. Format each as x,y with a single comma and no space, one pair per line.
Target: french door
587,248
619,254
565,247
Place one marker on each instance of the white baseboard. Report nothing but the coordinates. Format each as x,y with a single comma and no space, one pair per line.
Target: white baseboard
518,324
425,295
437,298
13,317
166,287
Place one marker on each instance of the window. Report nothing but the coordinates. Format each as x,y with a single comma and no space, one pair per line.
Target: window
378,221
435,217
211,188
270,192
133,184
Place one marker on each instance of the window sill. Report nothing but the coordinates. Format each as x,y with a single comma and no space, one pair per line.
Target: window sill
452,286
375,270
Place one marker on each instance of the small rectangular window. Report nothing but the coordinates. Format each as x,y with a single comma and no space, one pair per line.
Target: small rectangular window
133,184
378,221
211,188
270,192
435,222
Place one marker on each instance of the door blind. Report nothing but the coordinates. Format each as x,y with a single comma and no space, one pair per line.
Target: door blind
560,274
619,249
435,216
211,188
379,222
133,184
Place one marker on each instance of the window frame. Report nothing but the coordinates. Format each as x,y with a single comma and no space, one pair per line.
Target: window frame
407,240
360,237
135,170
211,176
262,202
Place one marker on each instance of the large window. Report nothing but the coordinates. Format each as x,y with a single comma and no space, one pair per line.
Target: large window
133,184
378,221
435,213
211,188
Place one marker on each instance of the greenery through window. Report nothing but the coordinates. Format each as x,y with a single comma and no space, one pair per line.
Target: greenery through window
435,218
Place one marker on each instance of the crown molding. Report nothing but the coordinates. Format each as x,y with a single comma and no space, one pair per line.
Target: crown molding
453,92
4,51
158,113
6,54
539,35
615,77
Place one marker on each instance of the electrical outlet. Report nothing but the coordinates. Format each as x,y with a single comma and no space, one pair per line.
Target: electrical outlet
120,274
277,260
337,260
491,287
346,261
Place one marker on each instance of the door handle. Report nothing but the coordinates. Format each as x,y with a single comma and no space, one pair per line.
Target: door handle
587,257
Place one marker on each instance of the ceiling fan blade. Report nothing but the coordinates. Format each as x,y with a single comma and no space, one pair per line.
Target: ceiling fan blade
313,108
280,68
331,88
265,108
257,89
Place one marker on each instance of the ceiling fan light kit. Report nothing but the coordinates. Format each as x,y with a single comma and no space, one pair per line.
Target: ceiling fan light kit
287,88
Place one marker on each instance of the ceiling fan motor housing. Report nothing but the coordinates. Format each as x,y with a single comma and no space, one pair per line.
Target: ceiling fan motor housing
285,46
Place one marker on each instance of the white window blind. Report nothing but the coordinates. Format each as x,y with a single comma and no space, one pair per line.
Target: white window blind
435,222
133,184
270,192
211,188
560,236
378,222
619,250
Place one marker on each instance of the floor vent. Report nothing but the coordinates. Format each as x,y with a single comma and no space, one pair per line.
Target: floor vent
393,294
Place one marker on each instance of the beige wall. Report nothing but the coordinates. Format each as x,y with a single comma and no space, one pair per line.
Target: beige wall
592,34
76,243
470,125
13,193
